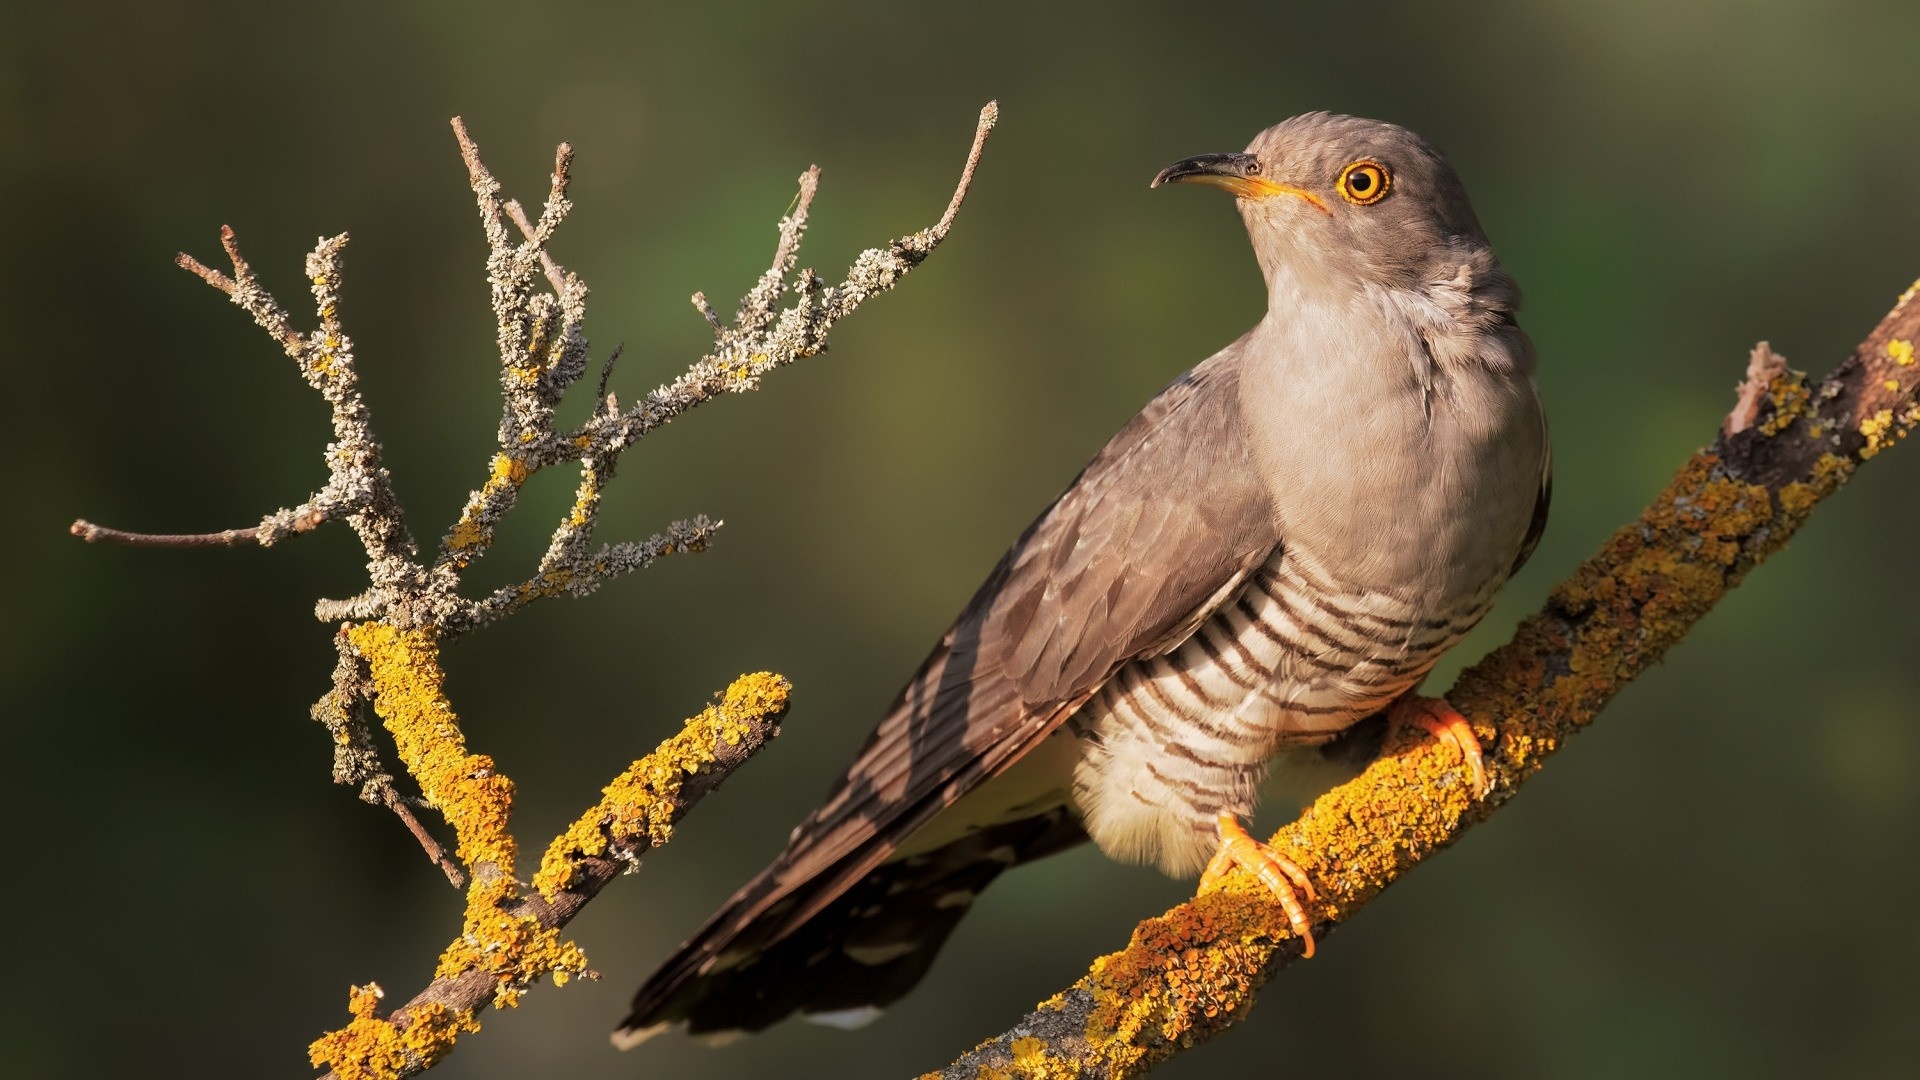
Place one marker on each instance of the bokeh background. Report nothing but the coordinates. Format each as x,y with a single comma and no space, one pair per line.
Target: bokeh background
1715,881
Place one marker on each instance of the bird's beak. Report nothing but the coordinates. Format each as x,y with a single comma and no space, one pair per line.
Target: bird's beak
1238,173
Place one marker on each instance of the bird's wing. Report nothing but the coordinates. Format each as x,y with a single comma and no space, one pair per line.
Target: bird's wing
1152,536
1537,527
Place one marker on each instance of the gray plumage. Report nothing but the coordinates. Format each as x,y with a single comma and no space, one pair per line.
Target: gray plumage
1279,545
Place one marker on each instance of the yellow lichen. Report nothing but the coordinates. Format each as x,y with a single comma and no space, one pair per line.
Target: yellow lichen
1798,499
1790,397
469,535
1879,432
475,800
370,1048
1901,352
509,469
515,949
467,790
1033,1061
642,802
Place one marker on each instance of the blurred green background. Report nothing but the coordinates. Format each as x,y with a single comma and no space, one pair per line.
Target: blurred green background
1715,881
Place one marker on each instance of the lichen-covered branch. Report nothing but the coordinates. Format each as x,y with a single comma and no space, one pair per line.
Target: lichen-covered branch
1191,973
494,963
391,635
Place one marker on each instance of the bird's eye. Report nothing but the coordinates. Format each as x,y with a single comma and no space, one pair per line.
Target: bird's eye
1363,183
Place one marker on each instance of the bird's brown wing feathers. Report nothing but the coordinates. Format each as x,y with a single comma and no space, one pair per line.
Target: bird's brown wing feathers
1125,564
1537,526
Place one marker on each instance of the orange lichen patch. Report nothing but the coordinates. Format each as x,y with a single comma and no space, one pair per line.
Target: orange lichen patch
1790,397
1880,433
471,534
638,809
476,801
550,583
1033,1061
1880,430
586,501
508,470
1798,499
515,949
467,790
370,1048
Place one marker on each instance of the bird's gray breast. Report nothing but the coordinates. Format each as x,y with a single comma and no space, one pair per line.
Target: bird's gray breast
1403,491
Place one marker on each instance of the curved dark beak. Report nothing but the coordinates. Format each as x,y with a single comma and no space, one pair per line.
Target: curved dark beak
1218,170
1238,173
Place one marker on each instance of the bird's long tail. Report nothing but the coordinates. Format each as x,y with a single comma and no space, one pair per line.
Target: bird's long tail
860,953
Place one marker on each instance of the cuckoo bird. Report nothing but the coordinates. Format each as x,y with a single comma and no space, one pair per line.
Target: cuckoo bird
1278,546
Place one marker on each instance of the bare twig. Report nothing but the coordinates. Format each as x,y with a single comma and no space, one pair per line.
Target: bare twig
706,311
989,116
96,534
1191,973
555,275
397,803
760,341
298,520
606,373
204,272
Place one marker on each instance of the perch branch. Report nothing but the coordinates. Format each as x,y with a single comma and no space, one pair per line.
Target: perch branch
1189,974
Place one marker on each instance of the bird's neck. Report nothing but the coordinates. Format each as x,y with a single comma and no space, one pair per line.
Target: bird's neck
1460,305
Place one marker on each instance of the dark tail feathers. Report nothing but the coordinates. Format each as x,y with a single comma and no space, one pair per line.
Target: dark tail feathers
862,952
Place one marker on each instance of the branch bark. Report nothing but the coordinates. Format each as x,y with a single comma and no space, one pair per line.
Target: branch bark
1193,972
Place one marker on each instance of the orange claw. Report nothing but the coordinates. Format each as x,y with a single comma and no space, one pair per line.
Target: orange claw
1281,875
1444,722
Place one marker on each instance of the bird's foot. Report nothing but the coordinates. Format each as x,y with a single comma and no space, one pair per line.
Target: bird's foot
1441,720
1281,875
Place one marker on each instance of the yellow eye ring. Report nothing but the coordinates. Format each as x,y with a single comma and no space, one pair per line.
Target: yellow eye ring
1364,182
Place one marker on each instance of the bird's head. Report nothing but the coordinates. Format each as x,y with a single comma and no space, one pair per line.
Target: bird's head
1343,199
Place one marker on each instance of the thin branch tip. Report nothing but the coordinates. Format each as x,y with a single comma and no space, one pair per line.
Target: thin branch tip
989,116
100,534
204,272
435,852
